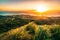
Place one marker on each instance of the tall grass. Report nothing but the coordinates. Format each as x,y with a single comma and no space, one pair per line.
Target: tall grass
33,31
48,33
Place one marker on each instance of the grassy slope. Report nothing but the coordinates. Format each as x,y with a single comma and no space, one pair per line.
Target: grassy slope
32,31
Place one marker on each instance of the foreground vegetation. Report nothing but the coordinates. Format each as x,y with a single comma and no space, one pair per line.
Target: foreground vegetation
16,28
33,31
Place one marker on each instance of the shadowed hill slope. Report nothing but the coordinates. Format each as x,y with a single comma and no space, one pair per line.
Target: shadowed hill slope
33,31
22,33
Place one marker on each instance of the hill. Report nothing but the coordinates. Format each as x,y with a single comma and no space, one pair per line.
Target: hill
11,22
33,31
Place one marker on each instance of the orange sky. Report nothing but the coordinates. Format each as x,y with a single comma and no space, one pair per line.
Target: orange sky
28,6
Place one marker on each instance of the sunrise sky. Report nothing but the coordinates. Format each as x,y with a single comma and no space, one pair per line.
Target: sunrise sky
18,5
28,4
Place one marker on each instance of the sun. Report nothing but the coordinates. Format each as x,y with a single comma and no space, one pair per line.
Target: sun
41,8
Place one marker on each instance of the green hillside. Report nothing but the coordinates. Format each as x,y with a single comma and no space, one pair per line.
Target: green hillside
32,31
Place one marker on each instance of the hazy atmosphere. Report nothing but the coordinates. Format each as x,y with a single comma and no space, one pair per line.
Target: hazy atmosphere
29,19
